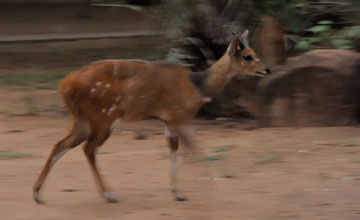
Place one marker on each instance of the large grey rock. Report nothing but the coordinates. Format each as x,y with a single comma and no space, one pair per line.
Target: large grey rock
318,88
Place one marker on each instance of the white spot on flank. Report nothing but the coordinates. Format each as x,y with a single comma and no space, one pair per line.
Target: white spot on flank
257,60
98,83
111,109
103,110
93,90
107,86
117,99
207,99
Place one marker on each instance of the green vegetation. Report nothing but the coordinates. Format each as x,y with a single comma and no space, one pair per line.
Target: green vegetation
53,108
204,28
325,36
30,104
223,149
350,143
14,155
6,113
105,152
355,160
225,173
48,81
266,157
212,158
115,3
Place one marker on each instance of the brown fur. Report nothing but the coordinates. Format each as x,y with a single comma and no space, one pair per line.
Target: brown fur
137,90
99,94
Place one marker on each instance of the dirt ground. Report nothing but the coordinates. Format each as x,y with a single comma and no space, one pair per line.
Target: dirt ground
240,173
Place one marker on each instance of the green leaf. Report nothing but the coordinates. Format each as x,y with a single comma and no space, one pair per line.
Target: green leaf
319,29
230,26
325,22
303,45
342,43
14,155
353,32
312,40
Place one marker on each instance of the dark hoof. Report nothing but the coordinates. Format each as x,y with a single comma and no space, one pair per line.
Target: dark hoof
110,198
36,197
181,198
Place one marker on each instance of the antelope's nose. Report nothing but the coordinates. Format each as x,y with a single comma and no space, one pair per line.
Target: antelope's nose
267,70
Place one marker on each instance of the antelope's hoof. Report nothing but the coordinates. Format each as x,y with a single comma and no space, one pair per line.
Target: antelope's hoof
180,198
109,198
36,197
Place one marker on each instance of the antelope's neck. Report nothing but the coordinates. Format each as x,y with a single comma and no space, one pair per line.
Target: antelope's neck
219,76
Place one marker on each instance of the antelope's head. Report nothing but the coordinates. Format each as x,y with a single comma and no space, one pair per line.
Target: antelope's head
243,58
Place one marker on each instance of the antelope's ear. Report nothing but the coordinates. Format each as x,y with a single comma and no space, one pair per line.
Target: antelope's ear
233,46
245,34
244,39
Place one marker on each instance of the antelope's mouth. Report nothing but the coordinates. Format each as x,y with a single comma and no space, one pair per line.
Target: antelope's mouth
261,74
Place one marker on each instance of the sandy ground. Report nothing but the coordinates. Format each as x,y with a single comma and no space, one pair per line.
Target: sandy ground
262,174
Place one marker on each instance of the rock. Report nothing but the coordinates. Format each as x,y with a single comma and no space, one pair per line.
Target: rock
318,88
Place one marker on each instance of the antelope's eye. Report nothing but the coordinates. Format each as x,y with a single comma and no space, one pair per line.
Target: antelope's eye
248,57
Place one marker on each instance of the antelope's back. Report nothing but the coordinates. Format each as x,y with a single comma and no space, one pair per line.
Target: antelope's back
139,89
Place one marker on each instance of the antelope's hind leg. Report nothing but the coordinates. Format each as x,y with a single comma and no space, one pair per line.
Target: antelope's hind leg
76,136
96,139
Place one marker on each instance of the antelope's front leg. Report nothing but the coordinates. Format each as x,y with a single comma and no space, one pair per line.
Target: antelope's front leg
173,143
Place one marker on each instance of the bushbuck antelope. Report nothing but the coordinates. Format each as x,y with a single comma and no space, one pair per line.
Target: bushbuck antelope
99,95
